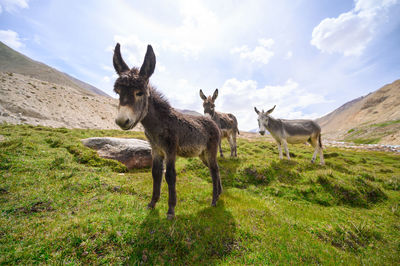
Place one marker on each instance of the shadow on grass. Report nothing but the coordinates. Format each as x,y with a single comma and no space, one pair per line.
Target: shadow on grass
255,174
203,238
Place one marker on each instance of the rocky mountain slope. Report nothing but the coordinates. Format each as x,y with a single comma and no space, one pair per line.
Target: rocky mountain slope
374,118
32,101
15,62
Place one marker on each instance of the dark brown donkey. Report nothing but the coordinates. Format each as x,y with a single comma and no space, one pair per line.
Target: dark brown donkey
226,122
169,132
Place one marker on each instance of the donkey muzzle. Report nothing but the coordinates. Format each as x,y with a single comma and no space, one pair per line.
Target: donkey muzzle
262,132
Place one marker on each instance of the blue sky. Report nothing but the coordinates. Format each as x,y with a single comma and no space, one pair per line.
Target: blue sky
306,56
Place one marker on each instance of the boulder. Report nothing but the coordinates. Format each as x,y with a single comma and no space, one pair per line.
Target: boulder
134,153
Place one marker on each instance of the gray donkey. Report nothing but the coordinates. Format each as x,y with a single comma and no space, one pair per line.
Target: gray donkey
169,132
227,123
291,131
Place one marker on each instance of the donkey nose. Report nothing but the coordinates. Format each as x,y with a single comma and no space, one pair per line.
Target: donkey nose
262,132
122,122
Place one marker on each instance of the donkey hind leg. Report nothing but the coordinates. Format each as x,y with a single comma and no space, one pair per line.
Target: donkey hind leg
220,147
232,144
156,171
286,149
321,155
314,144
204,159
216,180
280,151
170,176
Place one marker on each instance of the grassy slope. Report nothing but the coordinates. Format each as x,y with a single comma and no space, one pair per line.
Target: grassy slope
372,133
60,203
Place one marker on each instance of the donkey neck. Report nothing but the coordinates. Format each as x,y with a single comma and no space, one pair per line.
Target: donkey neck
158,112
273,124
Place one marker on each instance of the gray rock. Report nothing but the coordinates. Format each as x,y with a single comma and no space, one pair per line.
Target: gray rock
134,153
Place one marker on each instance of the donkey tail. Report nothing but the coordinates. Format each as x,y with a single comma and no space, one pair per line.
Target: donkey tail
319,140
237,130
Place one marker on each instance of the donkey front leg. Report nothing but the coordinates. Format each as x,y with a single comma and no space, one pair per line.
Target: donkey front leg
321,156
156,171
170,176
286,148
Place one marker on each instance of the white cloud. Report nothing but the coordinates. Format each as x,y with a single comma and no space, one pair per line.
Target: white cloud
260,54
289,55
11,38
351,32
199,25
132,49
12,5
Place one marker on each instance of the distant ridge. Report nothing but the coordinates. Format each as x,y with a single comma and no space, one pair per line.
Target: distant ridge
15,62
374,118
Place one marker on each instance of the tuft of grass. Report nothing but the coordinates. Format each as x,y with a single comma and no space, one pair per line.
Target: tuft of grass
384,124
366,141
61,203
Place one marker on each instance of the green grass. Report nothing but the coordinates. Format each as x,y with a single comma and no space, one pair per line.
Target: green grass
61,203
366,140
372,133
384,124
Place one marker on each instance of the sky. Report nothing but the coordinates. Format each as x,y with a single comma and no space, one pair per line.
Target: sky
308,57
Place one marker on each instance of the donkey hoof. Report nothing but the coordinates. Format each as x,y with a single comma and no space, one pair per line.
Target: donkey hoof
170,216
151,205
214,204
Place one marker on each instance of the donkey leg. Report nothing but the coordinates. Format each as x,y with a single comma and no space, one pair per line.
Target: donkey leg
216,180
280,151
170,176
234,143
321,156
286,149
220,148
157,171
315,146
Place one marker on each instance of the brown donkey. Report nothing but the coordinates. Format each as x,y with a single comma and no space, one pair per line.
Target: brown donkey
227,123
169,132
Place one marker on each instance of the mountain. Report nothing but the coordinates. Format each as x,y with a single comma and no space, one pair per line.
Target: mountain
374,118
15,62
36,94
188,112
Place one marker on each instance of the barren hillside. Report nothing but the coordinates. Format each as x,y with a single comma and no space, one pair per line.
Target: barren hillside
15,62
31,101
374,118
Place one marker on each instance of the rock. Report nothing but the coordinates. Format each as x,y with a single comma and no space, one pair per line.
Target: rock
134,153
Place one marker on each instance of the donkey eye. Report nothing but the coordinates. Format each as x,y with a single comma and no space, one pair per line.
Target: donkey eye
139,93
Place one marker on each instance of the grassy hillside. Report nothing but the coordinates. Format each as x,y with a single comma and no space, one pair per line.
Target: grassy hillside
381,107
60,203
373,133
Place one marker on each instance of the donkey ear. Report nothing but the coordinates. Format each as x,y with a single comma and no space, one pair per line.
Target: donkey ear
119,64
215,95
149,63
202,96
257,112
271,110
